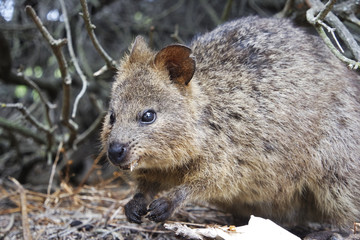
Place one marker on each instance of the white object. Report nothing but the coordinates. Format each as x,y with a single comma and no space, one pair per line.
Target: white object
258,228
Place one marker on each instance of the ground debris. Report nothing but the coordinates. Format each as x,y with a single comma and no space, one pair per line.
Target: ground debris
96,212
91,212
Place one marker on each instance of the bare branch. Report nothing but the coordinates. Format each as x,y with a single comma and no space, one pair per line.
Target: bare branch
56,48
94,126
9,125
54,44
332,31
43,98
286,10
347,10
212,13
27,115
168,11
176,36
310,15
24,213
47,106
226,12
93,167
332,20
16,78
325,10
74,59
53,172
90,29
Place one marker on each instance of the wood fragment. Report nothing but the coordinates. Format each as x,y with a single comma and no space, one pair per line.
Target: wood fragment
24,213
53,169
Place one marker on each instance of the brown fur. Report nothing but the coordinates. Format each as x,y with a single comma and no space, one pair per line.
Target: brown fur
268,125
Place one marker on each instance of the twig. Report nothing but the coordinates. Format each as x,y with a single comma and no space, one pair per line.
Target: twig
226,11
342,31
325,10
43,98
151,36
59,150
356,224
94,126
21,130
347,10
286,10
74,59
310,16
140,229
10,224
352,64
56,48
210,11
254,5
27,116
332,31
169,10
50,87
47,106
24,216
94,165
176,36
90,29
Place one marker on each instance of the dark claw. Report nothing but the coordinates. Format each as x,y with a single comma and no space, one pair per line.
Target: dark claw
136,208
160,210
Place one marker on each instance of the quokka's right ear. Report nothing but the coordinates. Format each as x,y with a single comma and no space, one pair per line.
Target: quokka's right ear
177,60
139,49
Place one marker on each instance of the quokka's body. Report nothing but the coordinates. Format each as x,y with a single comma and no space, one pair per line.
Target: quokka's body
257,117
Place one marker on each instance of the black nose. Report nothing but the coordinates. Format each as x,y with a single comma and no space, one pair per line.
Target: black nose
117,152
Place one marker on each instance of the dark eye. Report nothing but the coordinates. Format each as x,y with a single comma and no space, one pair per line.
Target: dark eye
112,118
148,117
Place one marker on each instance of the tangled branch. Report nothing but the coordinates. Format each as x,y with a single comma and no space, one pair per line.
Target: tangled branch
324,14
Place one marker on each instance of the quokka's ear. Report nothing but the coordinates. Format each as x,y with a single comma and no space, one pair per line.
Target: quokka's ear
139,50
177,60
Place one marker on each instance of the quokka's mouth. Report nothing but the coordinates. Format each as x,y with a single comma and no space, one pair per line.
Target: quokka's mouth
130,165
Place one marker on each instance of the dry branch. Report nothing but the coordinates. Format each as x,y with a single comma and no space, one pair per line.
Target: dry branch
42,96
324,14
56,46
210,10
9,125
110,63
24,213
74,59
93,167
226,12
53,169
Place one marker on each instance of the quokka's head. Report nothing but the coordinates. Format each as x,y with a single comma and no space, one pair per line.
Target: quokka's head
150,121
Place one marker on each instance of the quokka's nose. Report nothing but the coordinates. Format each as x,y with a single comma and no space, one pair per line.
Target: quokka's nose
117,152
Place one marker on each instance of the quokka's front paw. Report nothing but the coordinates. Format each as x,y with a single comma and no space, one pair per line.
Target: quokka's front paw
160,210
136,208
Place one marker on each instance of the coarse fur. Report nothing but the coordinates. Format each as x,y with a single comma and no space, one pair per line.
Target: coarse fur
269,125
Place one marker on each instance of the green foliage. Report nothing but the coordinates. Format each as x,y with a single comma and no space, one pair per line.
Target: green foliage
57,73
38,72
20,90
35,95
142,20
28,72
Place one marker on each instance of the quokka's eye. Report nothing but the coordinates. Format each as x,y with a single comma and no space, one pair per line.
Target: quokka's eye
148,116
112,118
